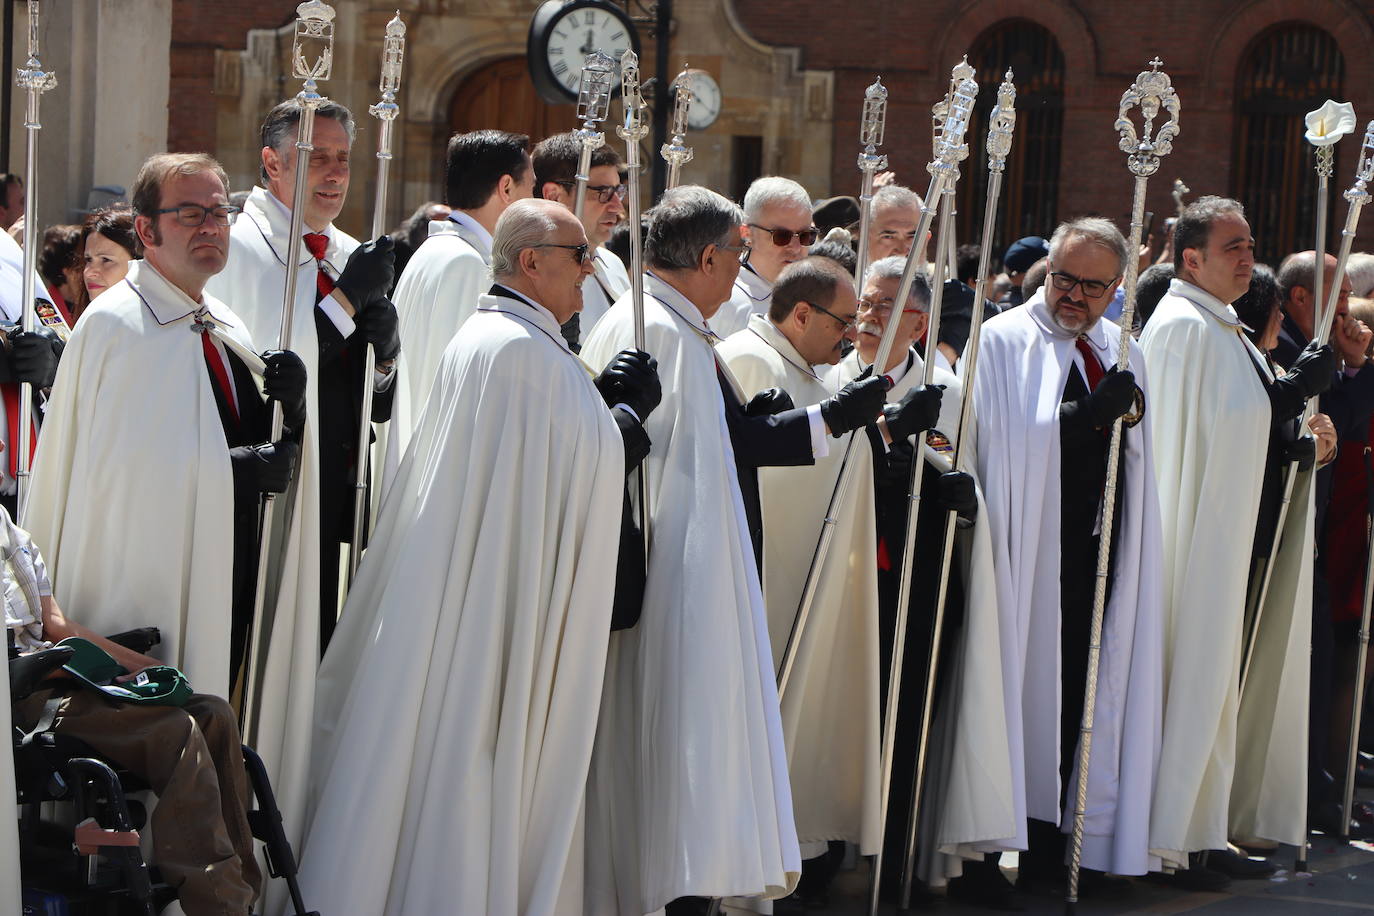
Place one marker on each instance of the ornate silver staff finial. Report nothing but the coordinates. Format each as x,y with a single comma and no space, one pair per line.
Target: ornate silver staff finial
1153,93
1001,126
1364,172
675,151
950,148
594,93
314,27
632,129
872,127
393,57
32,78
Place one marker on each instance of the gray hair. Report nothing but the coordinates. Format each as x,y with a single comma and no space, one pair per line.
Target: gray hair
279,128
524,224
686,220
1093,229
773,189
1195,224
1359,267
893,268
895,195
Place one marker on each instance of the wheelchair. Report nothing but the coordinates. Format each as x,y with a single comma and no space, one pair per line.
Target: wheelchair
97,868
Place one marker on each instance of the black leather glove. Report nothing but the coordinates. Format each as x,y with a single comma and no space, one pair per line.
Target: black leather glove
267,467
895,470
1303,452
631,379
768,402
284,381
955,492
858,404
381,327
1113,397
369,274
1312,373
918,409
33,358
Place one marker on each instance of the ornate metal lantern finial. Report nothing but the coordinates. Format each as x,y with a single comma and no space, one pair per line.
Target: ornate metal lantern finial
1001,125
594,91
314,29
1152,93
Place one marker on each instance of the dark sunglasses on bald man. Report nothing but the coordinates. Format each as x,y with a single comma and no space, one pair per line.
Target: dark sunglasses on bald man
581,253
783,237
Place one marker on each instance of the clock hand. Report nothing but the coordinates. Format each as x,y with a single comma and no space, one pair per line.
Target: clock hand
588,47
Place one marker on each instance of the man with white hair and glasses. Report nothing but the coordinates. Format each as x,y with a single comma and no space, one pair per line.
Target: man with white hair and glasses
778,231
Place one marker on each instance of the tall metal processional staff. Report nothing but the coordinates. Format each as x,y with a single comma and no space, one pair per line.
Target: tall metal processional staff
1154,95
35,81
593,104
385,111
632,130
314,32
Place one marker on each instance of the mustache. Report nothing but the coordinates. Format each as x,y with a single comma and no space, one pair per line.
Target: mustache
869,327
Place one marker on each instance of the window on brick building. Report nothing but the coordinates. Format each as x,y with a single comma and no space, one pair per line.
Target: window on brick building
1030,188
1288,71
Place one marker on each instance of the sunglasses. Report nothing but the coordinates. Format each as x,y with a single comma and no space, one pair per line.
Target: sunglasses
581,253
783,237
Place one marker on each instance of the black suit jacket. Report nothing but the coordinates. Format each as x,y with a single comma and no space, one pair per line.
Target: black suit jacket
340,392
631,568
777,440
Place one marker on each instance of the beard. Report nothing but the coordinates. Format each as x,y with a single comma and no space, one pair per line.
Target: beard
1070,322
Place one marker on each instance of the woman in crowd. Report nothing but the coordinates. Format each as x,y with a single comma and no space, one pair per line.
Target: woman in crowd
110,244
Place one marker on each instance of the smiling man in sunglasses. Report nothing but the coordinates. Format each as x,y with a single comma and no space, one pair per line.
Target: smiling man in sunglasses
778,230
555,178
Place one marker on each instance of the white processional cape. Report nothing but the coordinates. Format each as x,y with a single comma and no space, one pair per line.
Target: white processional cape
253,283
689,791
458,700
968,809
1023,367
437,292
1211,417
600,291
830,713
133,498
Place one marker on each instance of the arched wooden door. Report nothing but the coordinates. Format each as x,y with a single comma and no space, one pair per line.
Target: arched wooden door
500,96
1289,70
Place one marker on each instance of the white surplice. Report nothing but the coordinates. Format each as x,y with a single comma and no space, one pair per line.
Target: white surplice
830,713
458,700
1210,416
1023,365
253,282
437,292
751,295
608,282
689,792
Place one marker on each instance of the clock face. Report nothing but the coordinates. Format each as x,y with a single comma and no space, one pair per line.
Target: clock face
578,33
706,100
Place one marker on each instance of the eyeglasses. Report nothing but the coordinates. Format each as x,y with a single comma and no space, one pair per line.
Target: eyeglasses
603,192
1091,288
891,235
783,237
741,251
845,323
581,253
884,307
193,216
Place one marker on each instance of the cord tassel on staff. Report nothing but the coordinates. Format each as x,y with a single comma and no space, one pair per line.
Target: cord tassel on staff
1154,95
314,31
385,111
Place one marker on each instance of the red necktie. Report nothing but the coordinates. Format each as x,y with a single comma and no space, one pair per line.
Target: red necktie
1090,363
318,243
219,373
10,393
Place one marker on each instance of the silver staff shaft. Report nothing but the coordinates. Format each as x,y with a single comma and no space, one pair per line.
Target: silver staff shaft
385,111
35,81
315,24
1352,756
849,463
1358,196
1155,96
998,146
632,131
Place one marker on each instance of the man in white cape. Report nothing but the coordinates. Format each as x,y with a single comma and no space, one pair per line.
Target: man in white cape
556,160
1229,767
485,172
1043,414
458,704
830,710
689,793
967,809
778,229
